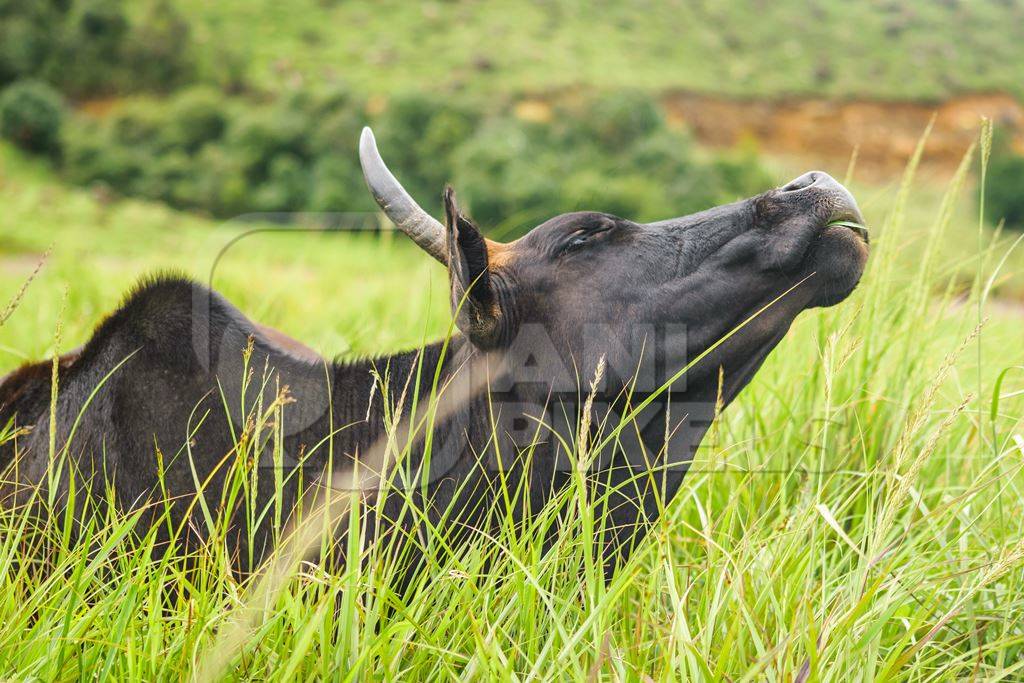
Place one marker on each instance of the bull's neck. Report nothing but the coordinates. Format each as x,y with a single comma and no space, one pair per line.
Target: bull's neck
367,389
653,470
364,390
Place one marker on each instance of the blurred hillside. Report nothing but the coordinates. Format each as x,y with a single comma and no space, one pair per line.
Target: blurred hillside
891,49
531,109
813,80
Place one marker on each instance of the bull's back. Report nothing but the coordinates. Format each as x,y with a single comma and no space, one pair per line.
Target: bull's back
129,402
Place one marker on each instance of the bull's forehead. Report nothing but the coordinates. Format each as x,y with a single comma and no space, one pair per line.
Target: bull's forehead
557,228
570,222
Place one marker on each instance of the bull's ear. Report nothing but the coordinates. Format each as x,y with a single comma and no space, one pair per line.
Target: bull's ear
474,302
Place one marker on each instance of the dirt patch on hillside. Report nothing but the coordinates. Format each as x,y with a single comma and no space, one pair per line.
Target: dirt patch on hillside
100,106
884,134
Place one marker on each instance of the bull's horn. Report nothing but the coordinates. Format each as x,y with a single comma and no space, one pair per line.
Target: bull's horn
396,203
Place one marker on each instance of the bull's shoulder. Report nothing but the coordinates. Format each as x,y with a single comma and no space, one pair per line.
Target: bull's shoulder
158,309
158,306
169,319
158,312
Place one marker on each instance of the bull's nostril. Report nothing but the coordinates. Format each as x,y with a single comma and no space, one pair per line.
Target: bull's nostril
803,182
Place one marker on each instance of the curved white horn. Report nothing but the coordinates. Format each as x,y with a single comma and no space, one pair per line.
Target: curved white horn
396,203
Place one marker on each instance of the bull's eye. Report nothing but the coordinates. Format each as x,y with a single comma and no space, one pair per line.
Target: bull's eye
582,237
575,242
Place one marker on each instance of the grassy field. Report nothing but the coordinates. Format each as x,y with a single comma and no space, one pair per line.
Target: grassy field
754,48
857,515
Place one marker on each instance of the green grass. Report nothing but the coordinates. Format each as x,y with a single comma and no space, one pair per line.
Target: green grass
857,512
896,50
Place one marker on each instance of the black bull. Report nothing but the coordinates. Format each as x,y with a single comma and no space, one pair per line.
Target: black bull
658,325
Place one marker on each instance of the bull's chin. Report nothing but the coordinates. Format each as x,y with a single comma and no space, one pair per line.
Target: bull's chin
837,260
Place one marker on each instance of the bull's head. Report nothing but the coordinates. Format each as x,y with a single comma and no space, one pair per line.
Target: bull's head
772,255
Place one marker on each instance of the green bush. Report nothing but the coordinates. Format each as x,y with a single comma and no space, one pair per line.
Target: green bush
31,114
27,37
138,124
286,187
87,59
615,121
90,159
159,49
337,185
1004,190
221,187
420,133
507,176
124,152
197,117
87,48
